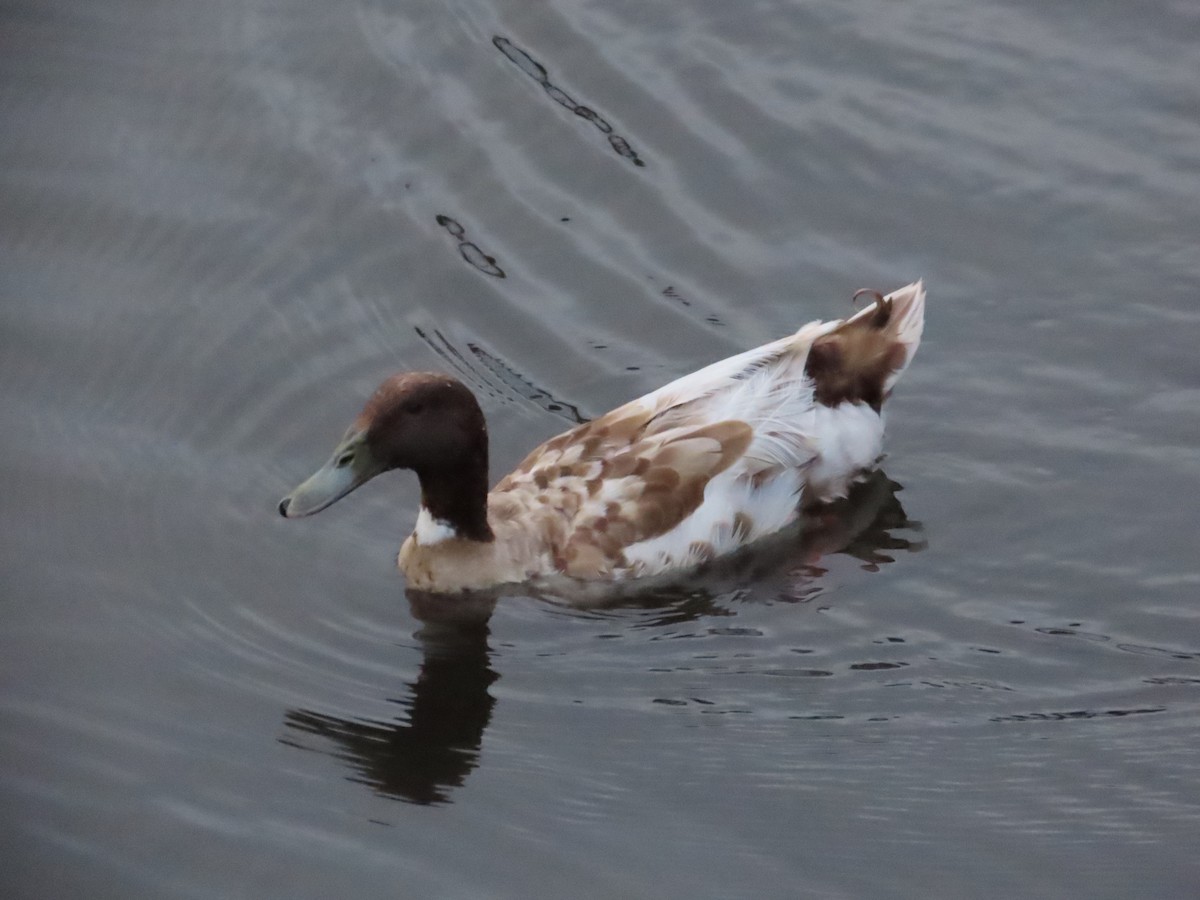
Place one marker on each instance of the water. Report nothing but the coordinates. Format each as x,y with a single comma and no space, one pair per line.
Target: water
224,223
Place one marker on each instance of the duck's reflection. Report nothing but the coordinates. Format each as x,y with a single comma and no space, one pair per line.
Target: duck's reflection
432,749
435,746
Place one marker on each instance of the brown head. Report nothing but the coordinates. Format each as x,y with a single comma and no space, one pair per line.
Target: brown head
423,421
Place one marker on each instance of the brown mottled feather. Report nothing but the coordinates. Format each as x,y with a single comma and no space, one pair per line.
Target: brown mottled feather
648,473
591,440
653,485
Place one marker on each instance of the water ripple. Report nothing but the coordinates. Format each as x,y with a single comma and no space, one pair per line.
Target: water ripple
538,73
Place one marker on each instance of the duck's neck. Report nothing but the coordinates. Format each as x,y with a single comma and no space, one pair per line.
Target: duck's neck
454,504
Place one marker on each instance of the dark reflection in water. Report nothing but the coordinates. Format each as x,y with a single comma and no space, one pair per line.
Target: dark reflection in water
495,377
1076,714
436,745
469,250
674,293
538,73
418,758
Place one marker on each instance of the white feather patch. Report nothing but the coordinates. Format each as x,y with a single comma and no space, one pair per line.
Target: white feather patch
430,531
851,441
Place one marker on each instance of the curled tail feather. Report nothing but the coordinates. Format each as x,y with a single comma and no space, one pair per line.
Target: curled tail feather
860,360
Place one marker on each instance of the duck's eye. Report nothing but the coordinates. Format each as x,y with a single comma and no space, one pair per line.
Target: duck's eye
414,408
344,460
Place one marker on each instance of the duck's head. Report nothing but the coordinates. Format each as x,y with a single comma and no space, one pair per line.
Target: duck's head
423,421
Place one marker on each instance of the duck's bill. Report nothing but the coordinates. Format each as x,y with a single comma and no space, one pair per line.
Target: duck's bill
351,465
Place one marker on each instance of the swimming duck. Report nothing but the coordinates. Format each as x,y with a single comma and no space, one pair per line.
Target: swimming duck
696,469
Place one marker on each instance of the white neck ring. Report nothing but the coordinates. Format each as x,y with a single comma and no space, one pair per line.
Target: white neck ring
430,531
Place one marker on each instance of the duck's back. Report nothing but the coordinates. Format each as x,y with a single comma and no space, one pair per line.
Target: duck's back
715,459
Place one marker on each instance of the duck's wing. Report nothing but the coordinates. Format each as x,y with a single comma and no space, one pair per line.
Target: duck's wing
640,471
765,388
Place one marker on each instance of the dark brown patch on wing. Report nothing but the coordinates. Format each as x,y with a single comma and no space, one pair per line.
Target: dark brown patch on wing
597,439
626,464
662,478
852,364
664,486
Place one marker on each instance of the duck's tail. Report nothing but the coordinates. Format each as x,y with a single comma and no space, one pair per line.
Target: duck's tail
860,359
906,325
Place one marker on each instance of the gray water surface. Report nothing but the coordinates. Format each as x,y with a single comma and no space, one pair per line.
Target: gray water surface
221,224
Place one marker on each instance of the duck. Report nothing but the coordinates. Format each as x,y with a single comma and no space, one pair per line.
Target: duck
695,470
